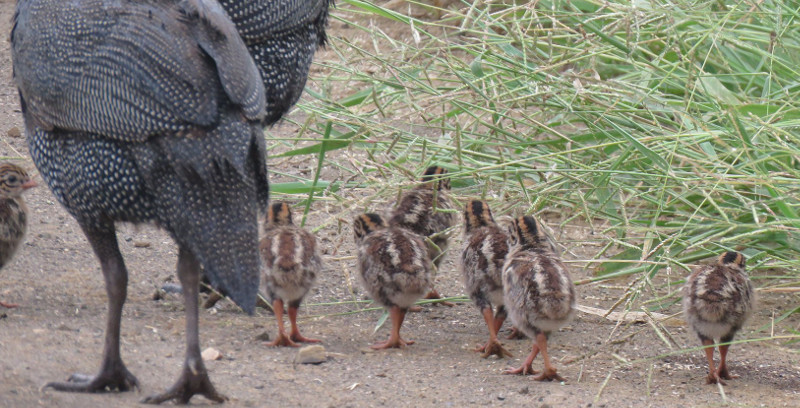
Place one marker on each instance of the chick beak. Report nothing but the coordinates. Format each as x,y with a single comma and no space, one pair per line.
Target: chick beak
28,184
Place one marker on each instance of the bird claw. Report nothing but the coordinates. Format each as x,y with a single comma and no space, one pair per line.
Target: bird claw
493,348
399,343
299,338
107,380
516,334
713,378
283,341
549,375
523,370
190,383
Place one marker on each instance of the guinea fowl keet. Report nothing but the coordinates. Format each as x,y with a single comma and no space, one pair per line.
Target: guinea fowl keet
153,111
13,212
419,211
717,300
394,268
538,292
482,257
290,265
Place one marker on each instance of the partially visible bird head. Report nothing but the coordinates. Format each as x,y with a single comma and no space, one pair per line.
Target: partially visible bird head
279,214
14,180
477,214
434,175
364,224
525,231
731,257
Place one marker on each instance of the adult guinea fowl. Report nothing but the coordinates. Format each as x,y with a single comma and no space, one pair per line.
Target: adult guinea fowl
152,111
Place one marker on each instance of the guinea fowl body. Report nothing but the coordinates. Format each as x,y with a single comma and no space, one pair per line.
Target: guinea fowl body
419,212
538,292
394,268
483,255
717,300
291,262
149,111
13,212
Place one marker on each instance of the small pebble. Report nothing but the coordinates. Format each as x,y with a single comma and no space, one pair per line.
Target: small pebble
311,355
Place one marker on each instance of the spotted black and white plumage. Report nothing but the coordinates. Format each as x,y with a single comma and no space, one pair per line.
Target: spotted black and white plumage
717,300
393,266
538,292
291,262
282,36
484,252
14,180
152,111
418,211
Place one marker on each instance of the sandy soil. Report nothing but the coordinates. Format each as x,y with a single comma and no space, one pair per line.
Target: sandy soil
58,328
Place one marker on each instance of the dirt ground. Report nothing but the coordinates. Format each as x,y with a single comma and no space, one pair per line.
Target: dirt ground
58,328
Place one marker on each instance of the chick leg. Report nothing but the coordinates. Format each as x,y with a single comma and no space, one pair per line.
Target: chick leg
397,315
282,340
722,370
712,372
113,374
549,373
492,347
194,378
527,366
8,305
296,336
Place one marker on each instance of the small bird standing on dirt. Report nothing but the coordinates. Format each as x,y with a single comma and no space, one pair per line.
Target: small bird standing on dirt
290,265
418,212
717,300
394,268
482,258
13,212
539,293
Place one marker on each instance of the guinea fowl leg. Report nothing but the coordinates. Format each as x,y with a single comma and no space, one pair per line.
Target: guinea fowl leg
282,340
296,336
194,378
527,366
549,373
8,305
395,341
113,374
492,347
722,370
712,377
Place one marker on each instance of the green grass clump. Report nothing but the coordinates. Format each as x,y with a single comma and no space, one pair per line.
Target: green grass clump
669,130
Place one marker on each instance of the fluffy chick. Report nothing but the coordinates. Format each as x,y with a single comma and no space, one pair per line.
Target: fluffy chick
717,300
290,265
538,292
419,212
484,252
13,212
394,268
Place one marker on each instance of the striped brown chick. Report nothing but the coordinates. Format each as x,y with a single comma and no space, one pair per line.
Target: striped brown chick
538,292
717,300
484,252
290,265
419,212
394,268
13,212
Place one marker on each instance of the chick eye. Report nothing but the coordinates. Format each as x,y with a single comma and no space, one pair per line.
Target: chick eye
12,179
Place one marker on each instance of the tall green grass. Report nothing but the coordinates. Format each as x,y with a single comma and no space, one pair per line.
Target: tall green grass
667,129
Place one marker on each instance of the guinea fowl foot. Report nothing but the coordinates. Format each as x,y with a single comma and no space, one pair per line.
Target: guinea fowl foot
549,374
299,338
283,341
8,305
493,347
392,343
118,379
194,380
722,373
525,369
516,334
714,378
